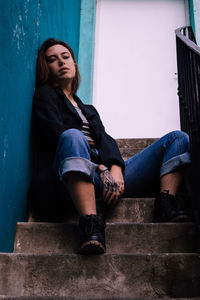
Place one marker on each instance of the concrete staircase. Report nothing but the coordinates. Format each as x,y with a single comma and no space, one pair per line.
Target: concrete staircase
143,260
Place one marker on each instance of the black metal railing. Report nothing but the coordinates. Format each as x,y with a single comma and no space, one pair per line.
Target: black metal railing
188,61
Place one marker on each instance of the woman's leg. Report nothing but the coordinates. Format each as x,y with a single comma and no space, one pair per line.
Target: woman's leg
157,166
77,172
161,165
81,192
171,182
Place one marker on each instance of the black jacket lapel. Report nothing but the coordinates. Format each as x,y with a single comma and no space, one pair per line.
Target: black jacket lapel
68,104
86,109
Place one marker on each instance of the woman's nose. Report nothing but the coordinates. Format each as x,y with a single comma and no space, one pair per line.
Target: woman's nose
60,63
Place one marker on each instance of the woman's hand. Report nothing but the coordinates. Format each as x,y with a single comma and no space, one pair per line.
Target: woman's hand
116,173
113,183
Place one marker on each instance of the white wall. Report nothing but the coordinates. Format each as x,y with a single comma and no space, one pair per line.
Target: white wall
135,81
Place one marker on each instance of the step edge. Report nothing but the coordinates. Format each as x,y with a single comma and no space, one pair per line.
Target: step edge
149,224
178,254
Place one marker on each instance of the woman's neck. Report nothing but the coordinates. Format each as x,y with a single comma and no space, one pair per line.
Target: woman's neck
66,86
69,96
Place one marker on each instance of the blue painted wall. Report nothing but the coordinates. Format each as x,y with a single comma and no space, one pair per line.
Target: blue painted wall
195,18
86,49
24,25
191,6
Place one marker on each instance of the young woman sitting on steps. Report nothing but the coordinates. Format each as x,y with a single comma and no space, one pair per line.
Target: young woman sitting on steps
72,152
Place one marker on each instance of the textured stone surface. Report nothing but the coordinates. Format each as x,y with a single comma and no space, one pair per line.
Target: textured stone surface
135,143
72,298
138,210
120,238
135,276
129,147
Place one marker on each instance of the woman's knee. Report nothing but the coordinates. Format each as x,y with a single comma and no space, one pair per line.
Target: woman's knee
72,153
73,135
182,138
72,142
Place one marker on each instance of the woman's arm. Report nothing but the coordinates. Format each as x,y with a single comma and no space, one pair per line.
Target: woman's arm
47,118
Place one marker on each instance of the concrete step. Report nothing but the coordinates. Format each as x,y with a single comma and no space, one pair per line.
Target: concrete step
120,238
129,147
103,276
72,298
138,210
127,153
4,297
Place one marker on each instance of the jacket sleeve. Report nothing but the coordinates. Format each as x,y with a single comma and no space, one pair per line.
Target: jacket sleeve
109,152
47,118
108,148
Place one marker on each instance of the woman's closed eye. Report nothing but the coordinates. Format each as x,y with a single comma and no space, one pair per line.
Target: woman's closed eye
51,59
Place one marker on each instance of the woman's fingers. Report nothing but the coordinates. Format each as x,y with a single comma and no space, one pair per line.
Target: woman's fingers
121,188
114,198
117,175
107,191
111,193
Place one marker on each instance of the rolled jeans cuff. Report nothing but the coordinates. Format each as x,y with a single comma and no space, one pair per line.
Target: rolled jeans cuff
175,162
78,164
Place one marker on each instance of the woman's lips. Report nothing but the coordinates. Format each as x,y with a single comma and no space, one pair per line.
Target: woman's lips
64,70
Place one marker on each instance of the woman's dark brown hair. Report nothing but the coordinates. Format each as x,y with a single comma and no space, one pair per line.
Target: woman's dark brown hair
42,69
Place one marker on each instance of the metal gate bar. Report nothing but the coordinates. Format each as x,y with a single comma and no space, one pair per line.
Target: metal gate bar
188,61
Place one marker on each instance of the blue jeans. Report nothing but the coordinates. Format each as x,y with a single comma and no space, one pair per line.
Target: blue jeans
142,171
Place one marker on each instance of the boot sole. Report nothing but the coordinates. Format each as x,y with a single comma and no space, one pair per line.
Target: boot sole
181,219
92,247
177,219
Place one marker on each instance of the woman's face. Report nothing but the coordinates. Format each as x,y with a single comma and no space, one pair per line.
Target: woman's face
60,62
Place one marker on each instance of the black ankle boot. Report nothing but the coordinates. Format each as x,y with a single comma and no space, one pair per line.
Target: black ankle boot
92,234
165,209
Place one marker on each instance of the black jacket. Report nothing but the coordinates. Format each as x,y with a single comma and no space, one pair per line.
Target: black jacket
53,113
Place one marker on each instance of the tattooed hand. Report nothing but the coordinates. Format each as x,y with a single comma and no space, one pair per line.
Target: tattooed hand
111,191
117,175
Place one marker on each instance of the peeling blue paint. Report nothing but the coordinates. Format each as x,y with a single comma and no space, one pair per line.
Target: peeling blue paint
25,24
5,147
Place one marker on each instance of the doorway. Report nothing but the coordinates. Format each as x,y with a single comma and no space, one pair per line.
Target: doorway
135,69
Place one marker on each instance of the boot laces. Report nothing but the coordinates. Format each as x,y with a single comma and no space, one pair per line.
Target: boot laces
93,225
